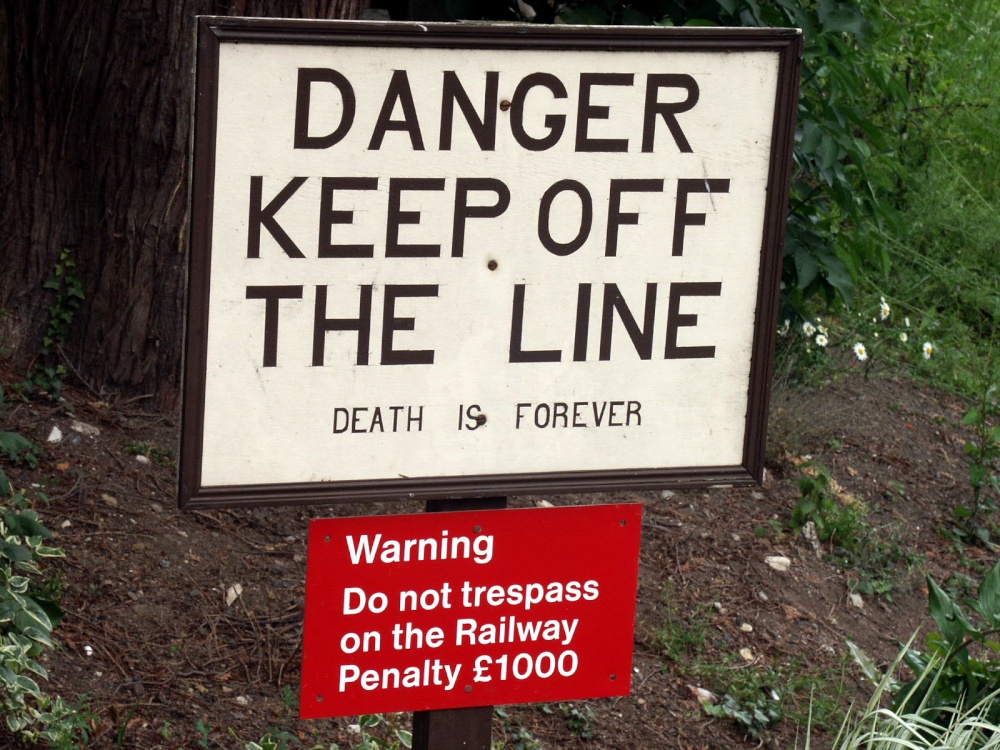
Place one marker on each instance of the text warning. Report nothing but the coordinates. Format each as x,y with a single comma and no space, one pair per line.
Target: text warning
478,608
441,260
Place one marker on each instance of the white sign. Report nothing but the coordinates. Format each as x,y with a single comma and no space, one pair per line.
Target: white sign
425,267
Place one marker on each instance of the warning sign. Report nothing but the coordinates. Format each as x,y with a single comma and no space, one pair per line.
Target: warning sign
448,610
467,261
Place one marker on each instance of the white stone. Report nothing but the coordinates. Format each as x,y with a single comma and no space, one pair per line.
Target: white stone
56,435
778,562
84,429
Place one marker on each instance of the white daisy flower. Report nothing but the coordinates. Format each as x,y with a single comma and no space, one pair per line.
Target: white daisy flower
822,340
928,349
884,311
906,321
808,328
785,327
860,352
903,337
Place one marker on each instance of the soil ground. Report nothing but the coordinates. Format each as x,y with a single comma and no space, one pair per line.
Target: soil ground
149,638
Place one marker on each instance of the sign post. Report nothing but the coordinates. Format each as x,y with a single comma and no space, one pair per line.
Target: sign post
447,262
456,728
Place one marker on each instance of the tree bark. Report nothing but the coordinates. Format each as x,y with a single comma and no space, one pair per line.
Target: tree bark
95,113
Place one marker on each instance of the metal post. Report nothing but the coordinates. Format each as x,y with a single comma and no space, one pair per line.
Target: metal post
457,728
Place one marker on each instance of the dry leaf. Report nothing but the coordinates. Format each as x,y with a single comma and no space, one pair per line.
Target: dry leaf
233,593
790,612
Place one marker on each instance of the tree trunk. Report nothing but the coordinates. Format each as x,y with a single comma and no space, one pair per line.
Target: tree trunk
95,114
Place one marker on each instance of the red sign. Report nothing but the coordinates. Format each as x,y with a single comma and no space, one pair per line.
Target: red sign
477,608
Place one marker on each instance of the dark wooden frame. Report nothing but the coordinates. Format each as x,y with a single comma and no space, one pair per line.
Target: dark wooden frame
213,31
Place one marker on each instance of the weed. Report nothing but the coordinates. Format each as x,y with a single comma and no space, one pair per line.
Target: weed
756,696
754,715
516,735
159,456
977,524
579,718
289,703
873,556
204,730
19,450
959,668
49,373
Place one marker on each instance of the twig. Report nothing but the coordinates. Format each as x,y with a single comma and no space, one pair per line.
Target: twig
76,372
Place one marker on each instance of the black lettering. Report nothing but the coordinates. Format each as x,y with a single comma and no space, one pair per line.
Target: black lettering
265,217
545,222
556,124
391,324
303,98
681,216
471,416
419,419
560,413
578,407
517,354
616,217
398,91
484,129
669,110
356,415
395,417
328,216
641,339
599,415
613,412
634,407
463,211
675,320
582,331
362,324
271,296
338,426
396,216
587,112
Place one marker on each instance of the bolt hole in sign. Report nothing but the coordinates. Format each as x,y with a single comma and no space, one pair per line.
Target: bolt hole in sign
475,608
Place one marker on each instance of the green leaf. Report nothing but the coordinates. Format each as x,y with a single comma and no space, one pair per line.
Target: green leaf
868,667
27,685
15,445
971,416
32,616
25,523
951,623
14,552
848,20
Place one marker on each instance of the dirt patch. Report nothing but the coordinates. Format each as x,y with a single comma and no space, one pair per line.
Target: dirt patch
149,637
